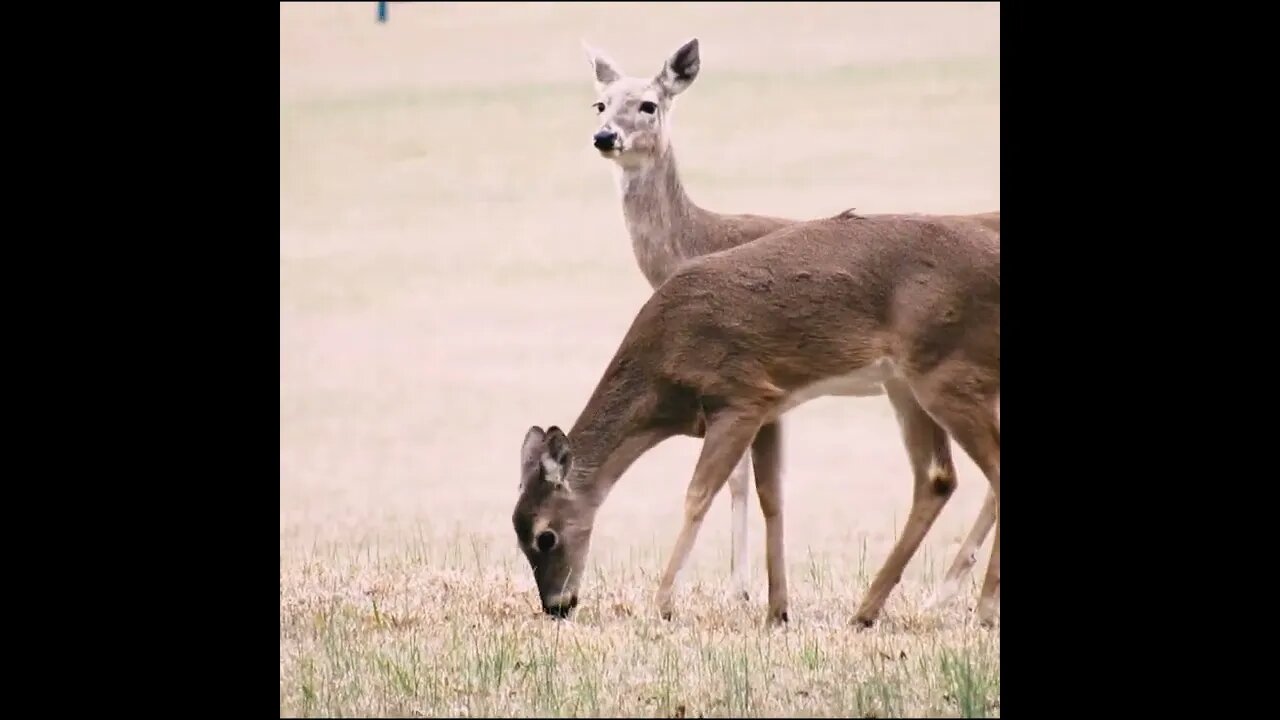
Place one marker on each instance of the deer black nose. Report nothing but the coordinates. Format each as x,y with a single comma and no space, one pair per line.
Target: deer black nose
604,139
560,608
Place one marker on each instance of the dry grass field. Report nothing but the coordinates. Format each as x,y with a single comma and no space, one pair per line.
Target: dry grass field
454,268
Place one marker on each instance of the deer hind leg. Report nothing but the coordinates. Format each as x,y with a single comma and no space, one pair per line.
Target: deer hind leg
934,480
967,557
767,453
739,564
727,438
965,403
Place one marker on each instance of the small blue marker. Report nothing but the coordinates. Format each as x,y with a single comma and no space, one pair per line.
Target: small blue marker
382,12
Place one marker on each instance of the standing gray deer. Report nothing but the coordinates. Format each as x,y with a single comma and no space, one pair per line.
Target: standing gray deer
667,229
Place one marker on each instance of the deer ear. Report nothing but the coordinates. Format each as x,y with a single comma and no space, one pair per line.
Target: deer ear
557,456
680,69
603,68
531,452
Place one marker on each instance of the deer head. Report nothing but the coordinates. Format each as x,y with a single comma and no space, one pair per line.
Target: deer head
552,522
634,113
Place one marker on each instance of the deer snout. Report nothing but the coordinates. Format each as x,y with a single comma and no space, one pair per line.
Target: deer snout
560,605
604,139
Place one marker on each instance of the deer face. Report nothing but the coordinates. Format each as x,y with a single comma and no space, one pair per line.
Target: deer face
634,112
552,522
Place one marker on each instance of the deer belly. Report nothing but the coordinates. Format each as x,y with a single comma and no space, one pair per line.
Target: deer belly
865,382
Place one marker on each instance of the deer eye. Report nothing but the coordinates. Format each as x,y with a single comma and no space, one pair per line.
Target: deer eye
648,107
546,540
598,106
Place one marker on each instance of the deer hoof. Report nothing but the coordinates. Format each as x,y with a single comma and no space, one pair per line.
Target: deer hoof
987,612
664,613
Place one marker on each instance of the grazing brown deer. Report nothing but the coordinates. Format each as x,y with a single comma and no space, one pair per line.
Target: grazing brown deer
667,228
732,341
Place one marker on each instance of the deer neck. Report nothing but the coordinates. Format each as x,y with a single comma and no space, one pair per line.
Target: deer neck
660,217
612,432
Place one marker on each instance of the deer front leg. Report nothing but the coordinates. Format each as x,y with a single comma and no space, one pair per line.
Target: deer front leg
767,453
739,569
967,557
728,436
934,481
